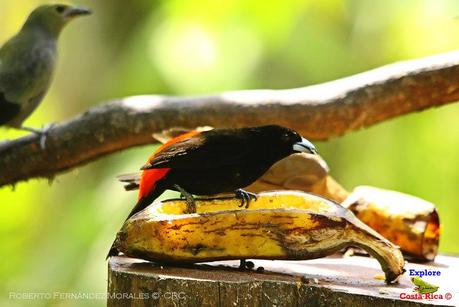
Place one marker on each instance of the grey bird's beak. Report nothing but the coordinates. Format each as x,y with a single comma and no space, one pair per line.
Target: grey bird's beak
305,146
77,11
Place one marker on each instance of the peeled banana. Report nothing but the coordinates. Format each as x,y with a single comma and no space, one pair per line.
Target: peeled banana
278,225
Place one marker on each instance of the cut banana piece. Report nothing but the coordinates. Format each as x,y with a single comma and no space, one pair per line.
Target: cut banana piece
278,225
408,221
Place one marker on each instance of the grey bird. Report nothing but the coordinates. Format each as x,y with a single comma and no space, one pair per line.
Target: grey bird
28,60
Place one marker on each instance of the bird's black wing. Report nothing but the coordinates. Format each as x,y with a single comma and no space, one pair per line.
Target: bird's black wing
208,149
8,110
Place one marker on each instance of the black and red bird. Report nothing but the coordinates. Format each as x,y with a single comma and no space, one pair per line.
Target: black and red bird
215,161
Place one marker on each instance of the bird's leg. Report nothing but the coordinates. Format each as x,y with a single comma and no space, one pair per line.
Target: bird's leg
43,133
246,197
246,265
190,204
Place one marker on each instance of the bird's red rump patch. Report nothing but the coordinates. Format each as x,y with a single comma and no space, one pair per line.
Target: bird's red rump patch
150,177
148,180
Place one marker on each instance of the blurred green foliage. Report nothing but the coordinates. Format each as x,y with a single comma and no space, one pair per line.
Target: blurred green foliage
54,238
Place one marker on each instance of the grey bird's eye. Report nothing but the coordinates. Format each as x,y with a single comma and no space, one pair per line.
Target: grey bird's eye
60,9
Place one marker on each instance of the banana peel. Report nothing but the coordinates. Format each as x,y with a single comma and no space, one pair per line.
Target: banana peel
303,172
278,225
410,222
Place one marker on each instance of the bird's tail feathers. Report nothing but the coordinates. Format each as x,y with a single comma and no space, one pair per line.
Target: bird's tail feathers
131,181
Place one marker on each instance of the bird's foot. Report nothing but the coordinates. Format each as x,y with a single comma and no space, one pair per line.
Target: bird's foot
190,203
245,197
246,265
43,133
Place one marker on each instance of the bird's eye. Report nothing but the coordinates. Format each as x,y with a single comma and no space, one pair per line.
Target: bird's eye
60,9
286,137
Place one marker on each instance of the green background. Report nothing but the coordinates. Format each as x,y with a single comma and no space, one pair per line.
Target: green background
54,237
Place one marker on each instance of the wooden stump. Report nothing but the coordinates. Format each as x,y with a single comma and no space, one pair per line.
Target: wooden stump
332,281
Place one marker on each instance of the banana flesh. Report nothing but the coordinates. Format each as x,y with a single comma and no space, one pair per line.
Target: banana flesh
278,225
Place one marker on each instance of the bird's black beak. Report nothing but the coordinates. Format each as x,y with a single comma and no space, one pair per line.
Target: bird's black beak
77,11
305,146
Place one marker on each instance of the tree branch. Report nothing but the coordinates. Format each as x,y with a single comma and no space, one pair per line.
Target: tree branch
318,112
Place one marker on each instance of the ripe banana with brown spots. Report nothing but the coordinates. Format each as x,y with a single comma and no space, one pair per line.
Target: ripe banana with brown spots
278,225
